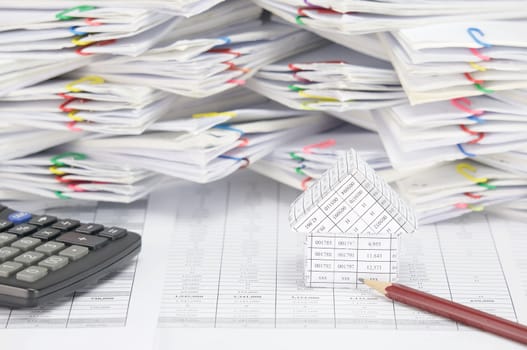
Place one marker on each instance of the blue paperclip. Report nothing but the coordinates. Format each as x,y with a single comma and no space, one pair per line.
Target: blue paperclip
468,154
226,39
238,159
471,31
478,120
228,127
224,156
73,29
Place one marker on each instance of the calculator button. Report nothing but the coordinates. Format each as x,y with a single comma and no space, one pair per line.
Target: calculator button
74,252
47,233
89,229
43,220
89,241
23,229
113,233
32,274
9,267
66,224
29,258
50,248
19,217
7,253
26,243
5,225
54,262
7,238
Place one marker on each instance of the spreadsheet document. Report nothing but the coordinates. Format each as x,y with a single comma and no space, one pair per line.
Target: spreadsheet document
234,263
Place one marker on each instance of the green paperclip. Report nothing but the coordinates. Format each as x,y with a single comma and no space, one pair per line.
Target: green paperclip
77,156
487,186
61,195
62,15
298,20
295,88
299,171
482,89
294,156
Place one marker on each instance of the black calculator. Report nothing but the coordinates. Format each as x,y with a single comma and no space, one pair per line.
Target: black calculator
43,257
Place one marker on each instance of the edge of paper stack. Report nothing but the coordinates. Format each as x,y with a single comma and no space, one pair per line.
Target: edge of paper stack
110,100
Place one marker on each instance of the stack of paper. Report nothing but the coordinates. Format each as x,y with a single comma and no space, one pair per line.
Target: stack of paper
73,175
300,162
330,78
467,127
205,156
214,61
92,104
41,39
456,188
368,16
450,60
200,149
19,141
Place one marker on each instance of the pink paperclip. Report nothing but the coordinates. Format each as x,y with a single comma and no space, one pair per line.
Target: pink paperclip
323,144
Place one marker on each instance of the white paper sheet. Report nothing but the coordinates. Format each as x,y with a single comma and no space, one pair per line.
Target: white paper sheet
234,263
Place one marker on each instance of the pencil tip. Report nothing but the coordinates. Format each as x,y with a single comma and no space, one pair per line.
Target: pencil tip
361,280
377,285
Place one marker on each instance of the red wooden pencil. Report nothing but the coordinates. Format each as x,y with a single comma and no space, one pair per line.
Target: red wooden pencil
449,309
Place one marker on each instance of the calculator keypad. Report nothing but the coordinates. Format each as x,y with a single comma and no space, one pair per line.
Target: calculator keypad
43,220
47,233
22,229
33,246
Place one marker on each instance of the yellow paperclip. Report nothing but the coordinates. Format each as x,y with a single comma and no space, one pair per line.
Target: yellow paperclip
476,207
92,79
214,114
305,106
319,98
78,42
55,170
461,169
477,66
73,115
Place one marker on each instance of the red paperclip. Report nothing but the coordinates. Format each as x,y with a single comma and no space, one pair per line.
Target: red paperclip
61,179
100,43
293,67
467,130
71,126
232,66
236,81
63,105
480,137
300,79
472,195
456,102
323,144
65,96
305,181
229,51
321,10
92,22
478,54
475,81
245,142
76,188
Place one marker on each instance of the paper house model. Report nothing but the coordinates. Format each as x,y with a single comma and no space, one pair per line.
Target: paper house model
352,220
